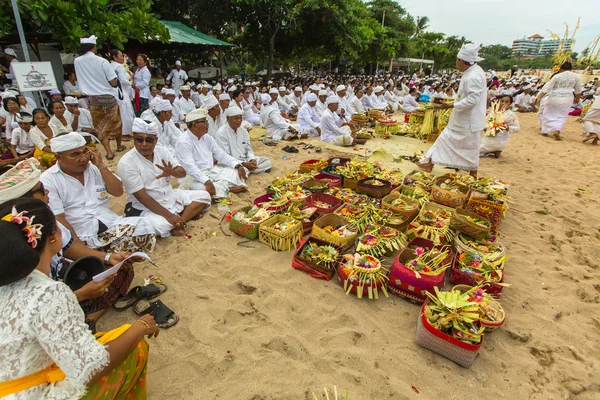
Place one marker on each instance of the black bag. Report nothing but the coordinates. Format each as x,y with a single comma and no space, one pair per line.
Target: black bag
132,212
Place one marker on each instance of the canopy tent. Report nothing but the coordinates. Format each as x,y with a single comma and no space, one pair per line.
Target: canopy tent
181,33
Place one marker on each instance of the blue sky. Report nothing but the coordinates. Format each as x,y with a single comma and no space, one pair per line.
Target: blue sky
502,21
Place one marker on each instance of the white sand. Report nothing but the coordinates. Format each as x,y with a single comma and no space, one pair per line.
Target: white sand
254,328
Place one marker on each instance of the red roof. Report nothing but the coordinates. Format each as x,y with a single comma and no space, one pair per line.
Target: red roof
536,36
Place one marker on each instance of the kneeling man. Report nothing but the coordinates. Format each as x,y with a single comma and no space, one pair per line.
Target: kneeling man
234,139
146,171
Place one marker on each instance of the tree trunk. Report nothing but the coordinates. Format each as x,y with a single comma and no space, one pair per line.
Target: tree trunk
271,54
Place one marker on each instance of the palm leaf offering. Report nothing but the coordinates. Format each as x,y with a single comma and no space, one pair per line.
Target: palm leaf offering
454,314
325,256
363,270
379,240
253,216
426,261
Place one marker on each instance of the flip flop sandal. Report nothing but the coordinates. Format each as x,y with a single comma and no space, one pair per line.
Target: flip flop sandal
318,150
122,148
289,149
110,158
138,293
294,150
163,315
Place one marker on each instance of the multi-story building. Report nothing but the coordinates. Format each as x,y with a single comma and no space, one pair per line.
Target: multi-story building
535,46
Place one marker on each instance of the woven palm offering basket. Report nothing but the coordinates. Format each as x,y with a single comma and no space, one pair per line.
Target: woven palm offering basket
280,240
451,198
374,187
410,211
462,221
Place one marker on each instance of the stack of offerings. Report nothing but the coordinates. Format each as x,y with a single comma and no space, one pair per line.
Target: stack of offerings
453,323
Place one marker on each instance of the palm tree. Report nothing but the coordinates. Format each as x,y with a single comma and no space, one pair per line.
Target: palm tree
421,23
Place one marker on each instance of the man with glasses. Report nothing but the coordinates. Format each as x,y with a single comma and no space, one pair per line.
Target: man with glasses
80,185
147,171
196,150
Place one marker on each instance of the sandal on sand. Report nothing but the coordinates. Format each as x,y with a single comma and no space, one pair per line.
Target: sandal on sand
163,315
110,158
138,293
318,150
121,148
556,136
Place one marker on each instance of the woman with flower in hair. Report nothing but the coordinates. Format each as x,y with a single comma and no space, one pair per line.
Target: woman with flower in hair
46,349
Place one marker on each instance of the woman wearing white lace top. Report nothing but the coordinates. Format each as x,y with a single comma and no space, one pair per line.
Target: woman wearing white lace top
59,122
43,336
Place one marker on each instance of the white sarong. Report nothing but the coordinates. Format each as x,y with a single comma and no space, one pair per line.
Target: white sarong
456,149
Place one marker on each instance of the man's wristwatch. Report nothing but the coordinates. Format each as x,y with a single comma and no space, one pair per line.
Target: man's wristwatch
107,259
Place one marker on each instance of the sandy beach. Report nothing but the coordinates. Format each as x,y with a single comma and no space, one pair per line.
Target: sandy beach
253,328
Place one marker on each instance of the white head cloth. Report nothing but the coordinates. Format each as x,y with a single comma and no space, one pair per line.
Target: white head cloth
311,97
54,91
469,53
24,117
185,87
282,88
322,93
71,100
169,92
66,142
161,105
233,111
10,52
273,91
178,63
224,97
297,89
198,113
141,126
265,98
210,102
333,99
88,40
340,88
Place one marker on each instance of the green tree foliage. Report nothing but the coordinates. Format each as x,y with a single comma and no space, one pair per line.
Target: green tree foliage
113,21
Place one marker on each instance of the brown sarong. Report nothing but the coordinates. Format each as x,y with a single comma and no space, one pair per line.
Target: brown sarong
106,119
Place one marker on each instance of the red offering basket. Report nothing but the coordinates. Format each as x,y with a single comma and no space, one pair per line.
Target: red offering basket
314,270
453,349
406,283
312,166
333,201
334,181
266,198
460,277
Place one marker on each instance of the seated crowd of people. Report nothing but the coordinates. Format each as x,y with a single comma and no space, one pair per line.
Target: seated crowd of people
55,190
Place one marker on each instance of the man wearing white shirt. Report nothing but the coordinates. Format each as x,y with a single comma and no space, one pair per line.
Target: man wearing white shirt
355,104
79,118
391,99
177,76
162,115
235,141
213,112
379,102
333,129
11,56
296,97
321,105
204,95
178,117
367,99
185,104
224,101
196,150
343,109
147,171
409,103
278,128
98,80
524,102
79,186
308,120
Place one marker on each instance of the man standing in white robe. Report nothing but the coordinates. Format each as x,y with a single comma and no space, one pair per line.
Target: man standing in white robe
307,117
177,76
235,141
196,150
147,171
458,144
333,129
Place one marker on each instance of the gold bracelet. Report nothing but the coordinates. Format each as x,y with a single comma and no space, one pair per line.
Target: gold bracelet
145,323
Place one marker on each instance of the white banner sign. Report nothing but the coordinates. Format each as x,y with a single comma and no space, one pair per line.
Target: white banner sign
32,76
